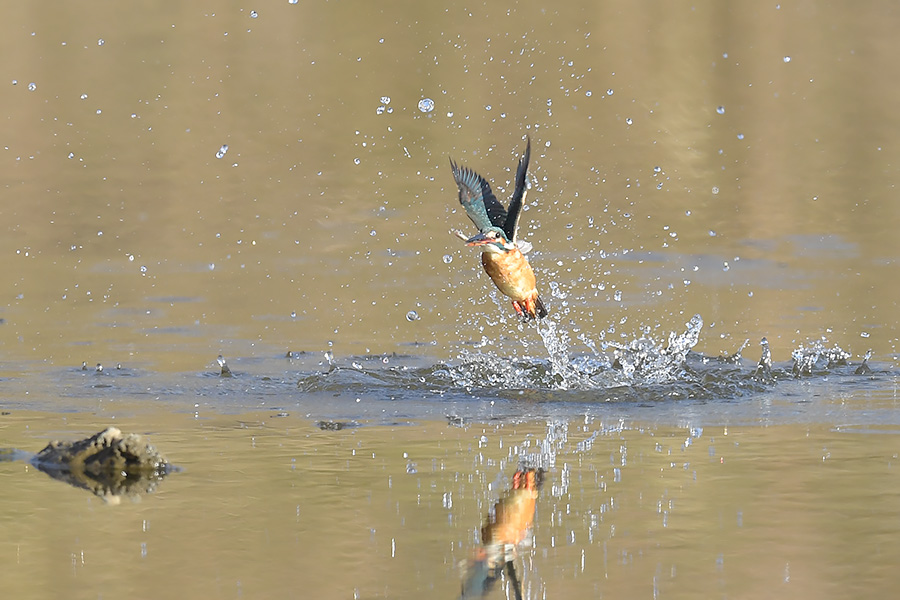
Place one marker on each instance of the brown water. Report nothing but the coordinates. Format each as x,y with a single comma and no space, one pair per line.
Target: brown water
736,161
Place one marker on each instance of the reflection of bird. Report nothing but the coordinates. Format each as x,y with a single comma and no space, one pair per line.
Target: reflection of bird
502,256
503,531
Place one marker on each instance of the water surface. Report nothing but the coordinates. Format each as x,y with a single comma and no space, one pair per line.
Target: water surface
738,162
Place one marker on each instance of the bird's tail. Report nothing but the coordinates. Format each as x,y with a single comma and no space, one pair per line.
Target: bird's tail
539,308
530,308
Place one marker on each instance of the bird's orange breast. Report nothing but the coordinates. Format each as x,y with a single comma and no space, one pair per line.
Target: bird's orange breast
511,273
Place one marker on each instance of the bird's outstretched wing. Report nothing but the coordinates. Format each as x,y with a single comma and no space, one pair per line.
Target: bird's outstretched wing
476,197
511,224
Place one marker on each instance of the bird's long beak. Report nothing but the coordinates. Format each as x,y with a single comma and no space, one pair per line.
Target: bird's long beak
480,240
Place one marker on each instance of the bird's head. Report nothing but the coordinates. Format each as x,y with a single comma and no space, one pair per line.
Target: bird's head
492,239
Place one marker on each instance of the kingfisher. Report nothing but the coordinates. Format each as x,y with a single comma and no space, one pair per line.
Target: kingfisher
505,529
502,255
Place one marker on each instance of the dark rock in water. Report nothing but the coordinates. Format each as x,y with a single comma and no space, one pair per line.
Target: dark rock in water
110,464
332,425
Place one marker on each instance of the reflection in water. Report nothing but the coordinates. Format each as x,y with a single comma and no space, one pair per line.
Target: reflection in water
505,530
109,464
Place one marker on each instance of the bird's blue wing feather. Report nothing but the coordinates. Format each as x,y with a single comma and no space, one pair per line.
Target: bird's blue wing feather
476,197
511,223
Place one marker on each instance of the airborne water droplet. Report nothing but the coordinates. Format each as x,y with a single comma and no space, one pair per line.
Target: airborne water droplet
448,259
222,150
426,105
412,316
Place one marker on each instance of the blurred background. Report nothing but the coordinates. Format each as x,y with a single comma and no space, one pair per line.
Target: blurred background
736,160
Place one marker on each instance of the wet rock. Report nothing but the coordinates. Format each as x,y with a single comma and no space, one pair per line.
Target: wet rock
109,464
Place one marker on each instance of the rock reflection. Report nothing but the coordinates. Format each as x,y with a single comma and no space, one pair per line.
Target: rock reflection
109,464
505,530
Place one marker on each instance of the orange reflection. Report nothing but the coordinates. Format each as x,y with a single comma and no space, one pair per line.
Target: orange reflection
504,530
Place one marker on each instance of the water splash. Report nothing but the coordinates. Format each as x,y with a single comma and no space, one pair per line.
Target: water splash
813,354
556,342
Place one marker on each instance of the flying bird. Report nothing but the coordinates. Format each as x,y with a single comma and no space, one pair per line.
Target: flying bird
502,255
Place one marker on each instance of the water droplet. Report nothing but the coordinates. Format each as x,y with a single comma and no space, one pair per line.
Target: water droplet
628,121
487,107
100,42
71,155
609,92
588,93
32,86
253,14
293,314
211,266
380,110
15,81
787,59
740,136
412,316
715,190
657,169
448,259
293,1
720,110
864,334
426,105
222,150
143,268
712,233
385,100
373,233
131,258
356,161
84,96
